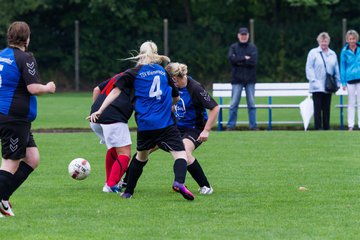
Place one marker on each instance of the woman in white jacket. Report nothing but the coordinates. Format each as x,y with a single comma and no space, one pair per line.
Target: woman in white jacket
316,74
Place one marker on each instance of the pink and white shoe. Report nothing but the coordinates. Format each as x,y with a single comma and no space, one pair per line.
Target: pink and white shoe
6,208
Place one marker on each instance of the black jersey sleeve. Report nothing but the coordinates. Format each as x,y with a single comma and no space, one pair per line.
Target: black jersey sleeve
27,67
199,95
126,79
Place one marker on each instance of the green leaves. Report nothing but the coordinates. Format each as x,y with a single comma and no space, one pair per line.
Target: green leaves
200,33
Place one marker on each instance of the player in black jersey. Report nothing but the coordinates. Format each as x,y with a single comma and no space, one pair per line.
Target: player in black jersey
19,83
112,129
192,119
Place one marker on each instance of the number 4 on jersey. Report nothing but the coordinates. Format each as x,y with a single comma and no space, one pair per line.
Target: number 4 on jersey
155,90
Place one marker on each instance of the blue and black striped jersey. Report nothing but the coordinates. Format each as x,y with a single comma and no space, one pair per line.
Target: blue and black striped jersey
190,110
17,70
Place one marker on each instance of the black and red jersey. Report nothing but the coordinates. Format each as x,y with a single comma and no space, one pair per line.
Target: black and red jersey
119,110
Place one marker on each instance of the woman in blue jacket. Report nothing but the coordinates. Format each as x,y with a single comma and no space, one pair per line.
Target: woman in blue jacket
350,75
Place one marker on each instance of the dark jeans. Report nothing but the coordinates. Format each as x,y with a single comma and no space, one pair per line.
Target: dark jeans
322,103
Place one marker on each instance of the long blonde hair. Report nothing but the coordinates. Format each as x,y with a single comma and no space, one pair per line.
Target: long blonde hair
149,54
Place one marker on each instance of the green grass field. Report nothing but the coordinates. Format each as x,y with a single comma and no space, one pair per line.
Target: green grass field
255,176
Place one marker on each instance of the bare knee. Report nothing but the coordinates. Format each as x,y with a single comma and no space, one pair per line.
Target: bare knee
32,157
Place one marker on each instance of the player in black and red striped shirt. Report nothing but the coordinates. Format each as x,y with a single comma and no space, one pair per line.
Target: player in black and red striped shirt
112,129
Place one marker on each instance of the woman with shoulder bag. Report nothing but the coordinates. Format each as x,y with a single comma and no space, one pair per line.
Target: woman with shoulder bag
320,61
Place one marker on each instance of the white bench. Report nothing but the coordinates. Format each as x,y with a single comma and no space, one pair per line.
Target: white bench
223,90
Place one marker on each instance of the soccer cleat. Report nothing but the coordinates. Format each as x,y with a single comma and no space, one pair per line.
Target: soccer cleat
181,188
125,195
5,208
206,190
122,184
114,189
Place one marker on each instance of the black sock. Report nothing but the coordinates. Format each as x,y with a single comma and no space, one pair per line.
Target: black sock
135,171
125,179
198,174
6,179
19,177
180,170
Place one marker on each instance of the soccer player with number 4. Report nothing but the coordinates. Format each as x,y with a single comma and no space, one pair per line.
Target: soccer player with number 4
155,94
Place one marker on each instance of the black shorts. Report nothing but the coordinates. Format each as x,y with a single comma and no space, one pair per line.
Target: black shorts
192,134
167,139
15,138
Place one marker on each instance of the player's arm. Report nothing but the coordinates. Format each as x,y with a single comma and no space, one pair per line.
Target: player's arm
213,113
174,92
108,100
203,98
175,100
38,88
29,72
96,92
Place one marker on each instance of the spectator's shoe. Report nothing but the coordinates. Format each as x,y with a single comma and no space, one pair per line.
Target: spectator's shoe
125,195
5,208
122,184
181,188
206,190
114,189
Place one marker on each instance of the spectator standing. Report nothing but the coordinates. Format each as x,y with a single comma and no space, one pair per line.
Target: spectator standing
243,58
19,83
319,61
350,75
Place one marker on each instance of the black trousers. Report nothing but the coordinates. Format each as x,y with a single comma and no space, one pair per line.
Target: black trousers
322,103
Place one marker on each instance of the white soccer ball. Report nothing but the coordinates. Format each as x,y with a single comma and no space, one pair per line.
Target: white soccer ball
79,168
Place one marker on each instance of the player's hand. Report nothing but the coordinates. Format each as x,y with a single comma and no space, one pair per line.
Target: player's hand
344,88
203,137
51,87
94,116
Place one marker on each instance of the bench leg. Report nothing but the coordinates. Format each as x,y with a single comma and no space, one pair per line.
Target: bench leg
341,113
270,114
220,116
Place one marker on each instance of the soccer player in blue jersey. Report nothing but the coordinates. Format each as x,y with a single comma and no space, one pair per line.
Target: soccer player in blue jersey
155,94
192,119
112,129
19,83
